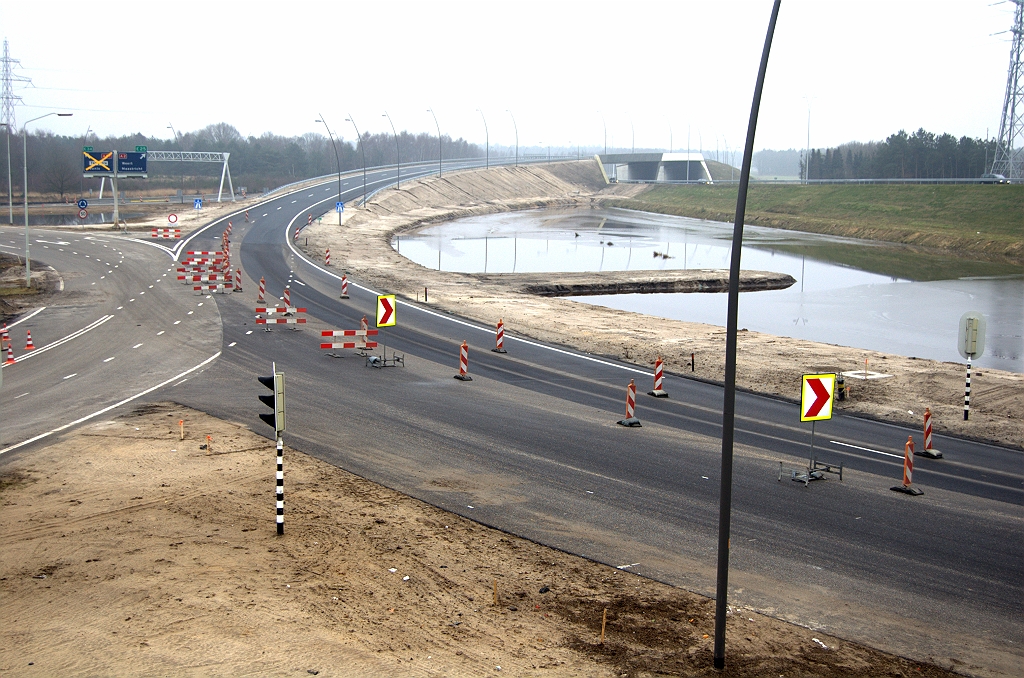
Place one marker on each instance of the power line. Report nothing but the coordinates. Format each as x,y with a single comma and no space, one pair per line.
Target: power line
8,98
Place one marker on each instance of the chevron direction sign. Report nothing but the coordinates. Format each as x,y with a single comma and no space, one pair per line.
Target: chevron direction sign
816,397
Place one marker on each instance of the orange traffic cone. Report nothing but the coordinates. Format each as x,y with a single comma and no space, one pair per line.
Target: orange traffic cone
10,355
4,336
29,346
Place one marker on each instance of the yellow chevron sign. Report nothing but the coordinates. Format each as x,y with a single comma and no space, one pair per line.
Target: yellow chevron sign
103,163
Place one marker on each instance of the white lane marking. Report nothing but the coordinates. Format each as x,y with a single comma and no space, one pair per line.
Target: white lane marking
92,283
293,202
71,375
111,407
119,308
137,345
109,359
160,332
191,312
109,271
200,303
309,196
130,300
300,283
21,320
150,287
22,395
141,293
73,335
177,322
866,449
280,208
59,242
249,332
232,344
102,277
264,214
181,382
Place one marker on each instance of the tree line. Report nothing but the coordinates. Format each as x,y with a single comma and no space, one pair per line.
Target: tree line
921,155
266,161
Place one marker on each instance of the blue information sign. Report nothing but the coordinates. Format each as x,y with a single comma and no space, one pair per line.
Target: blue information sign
101,162
83,203
198,203
339,206
131,162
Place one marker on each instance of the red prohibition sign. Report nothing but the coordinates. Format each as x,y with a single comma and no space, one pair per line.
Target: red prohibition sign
82,214
173,218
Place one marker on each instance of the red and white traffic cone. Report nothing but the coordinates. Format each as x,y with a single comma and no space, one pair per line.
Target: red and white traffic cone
263,291
499,338
463,374
659,377
29,346
4,336
10,355
238,280
287,296
344,286
327,257
928,450
908,470
630,419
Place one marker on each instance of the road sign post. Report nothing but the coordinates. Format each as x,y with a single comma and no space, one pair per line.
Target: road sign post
971,344
386,317
816,397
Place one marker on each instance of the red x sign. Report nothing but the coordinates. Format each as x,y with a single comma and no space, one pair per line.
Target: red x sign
816,397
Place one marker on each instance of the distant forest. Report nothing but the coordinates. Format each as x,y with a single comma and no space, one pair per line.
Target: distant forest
267,161
921,155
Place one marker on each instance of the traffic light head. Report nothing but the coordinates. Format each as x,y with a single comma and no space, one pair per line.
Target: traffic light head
275,401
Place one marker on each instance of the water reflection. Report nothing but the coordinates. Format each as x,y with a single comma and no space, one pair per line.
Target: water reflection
852,293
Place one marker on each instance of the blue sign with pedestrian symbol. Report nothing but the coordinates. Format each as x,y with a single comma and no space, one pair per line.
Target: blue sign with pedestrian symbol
339,206
197,203
83,203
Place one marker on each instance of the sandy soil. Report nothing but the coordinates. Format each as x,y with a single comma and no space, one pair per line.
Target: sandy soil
767,364
129,551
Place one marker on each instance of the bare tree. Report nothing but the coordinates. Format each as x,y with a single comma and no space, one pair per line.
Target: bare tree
60,173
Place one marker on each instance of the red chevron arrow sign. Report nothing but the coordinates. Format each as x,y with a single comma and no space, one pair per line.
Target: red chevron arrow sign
386,310
816,397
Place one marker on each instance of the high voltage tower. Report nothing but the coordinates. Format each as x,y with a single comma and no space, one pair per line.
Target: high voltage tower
9,98
1009,158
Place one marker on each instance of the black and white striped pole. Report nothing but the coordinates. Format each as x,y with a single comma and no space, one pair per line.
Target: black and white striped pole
971,344
276,418
280,485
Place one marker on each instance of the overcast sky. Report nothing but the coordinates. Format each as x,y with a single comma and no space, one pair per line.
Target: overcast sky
869,68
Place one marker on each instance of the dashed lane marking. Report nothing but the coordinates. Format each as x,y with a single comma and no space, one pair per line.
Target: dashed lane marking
160,332
177,322
109,359
232,344
137,345
70,375
249,332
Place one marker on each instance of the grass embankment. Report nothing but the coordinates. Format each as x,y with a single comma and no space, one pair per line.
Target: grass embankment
976,219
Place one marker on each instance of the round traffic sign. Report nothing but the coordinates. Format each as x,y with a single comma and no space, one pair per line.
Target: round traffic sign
173,218
82,203
83,213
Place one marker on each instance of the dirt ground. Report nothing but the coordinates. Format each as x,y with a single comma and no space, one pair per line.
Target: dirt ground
766,363
129,551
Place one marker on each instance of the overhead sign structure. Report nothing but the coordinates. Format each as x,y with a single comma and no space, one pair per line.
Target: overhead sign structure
132,163
816,397
98,163
386,310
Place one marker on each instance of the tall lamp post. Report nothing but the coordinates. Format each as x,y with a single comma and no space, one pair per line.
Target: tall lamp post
439,155
362,147
398,150
487,142
516,127
632,132
81,184
10,187
181,150
605,123
330,134
24,165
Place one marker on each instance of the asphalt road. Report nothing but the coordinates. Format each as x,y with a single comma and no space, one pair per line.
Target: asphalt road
531,446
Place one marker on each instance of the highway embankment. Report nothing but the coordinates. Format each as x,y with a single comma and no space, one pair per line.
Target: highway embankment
767,364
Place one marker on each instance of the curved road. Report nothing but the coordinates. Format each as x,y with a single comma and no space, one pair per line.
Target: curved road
531,446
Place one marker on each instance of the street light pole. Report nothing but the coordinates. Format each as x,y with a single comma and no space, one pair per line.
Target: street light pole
487,141
439,153
81,183
24,165
605,123
362,147
398,150
632,131
10,186
182,160
336,159
516,127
